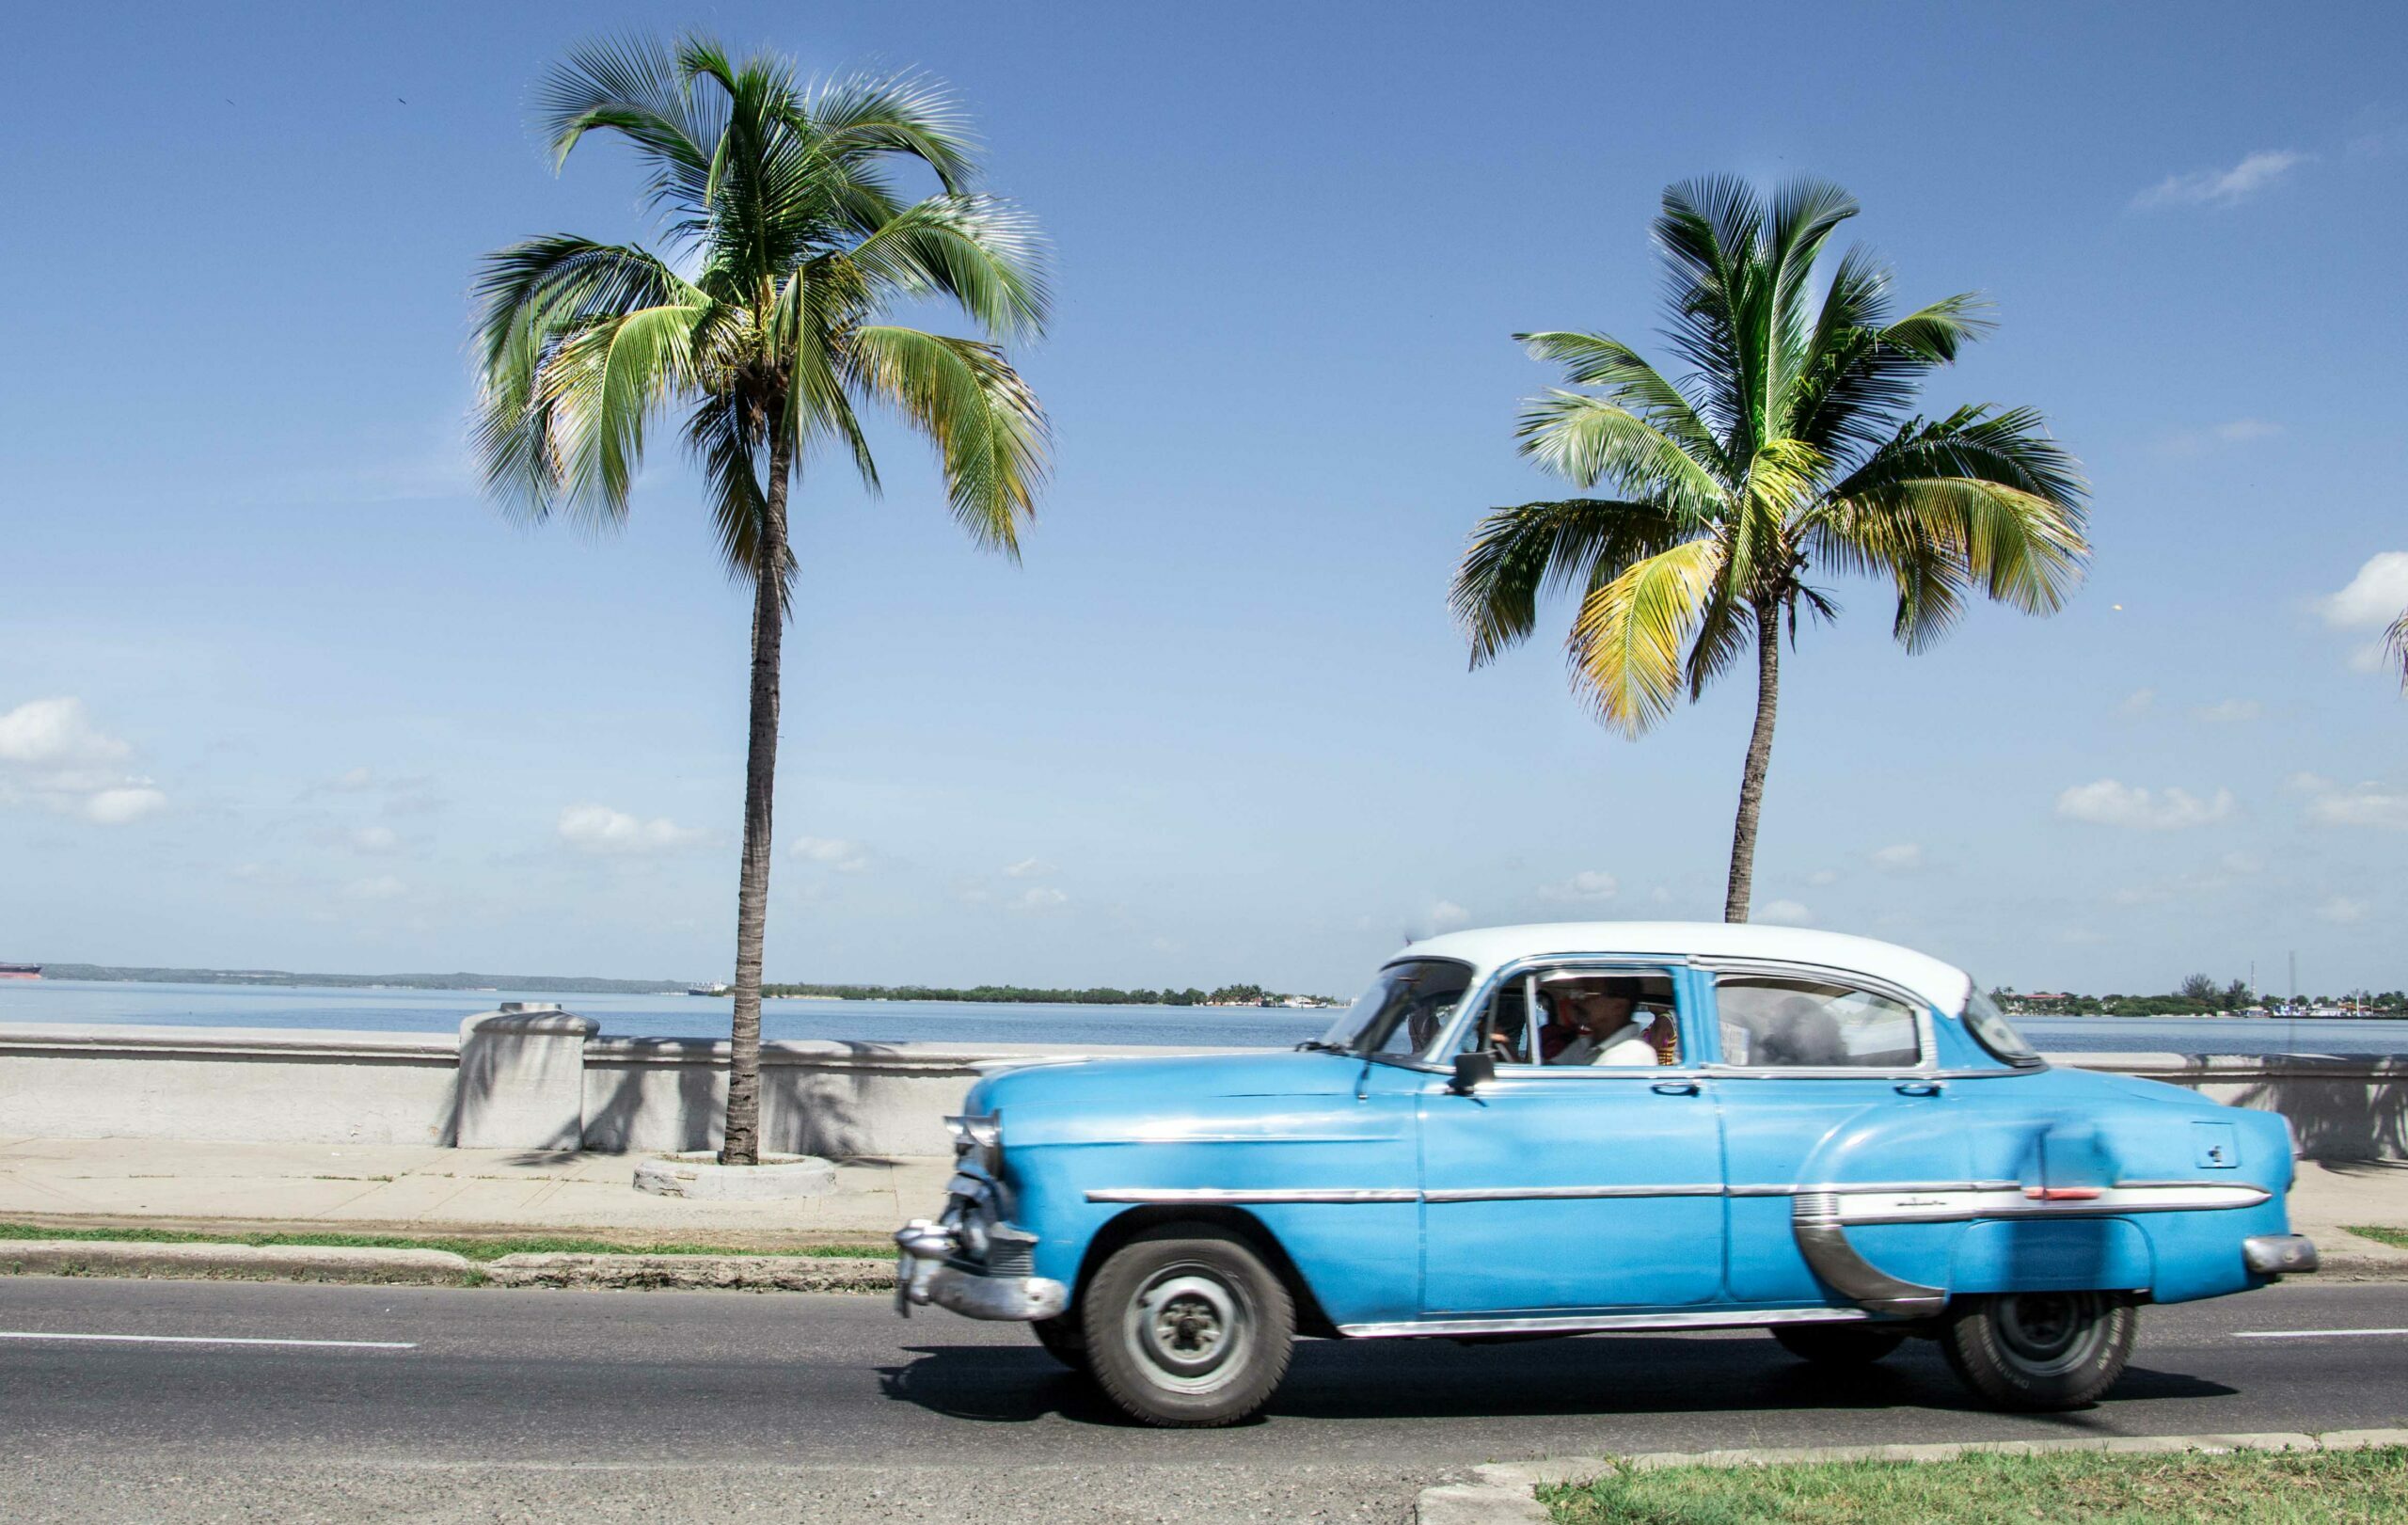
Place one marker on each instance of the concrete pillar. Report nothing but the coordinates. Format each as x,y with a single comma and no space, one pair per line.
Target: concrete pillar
522,1078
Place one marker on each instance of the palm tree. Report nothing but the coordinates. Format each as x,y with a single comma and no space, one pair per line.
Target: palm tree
1785,449
781,198
2396,639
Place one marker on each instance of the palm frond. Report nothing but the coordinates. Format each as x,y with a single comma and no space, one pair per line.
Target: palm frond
1628,381
1587,439
991,434
637,88
865,115
984,253
1976,498
1625,643
2396,642
1517,554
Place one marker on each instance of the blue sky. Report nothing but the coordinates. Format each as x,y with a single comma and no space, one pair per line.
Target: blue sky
277,689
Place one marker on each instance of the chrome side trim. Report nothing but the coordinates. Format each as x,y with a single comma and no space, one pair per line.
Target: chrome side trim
1551,1194
1959,1205
1250,1196
1601,1323
1814,1219
1853,1202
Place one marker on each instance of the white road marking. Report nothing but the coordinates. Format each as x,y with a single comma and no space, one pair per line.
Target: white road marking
2311,1334
211,1340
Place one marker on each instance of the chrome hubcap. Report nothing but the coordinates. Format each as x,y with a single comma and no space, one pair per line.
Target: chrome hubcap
1189,1326
2049,1331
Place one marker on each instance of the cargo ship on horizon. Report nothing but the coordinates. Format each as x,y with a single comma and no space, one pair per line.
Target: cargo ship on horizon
19,971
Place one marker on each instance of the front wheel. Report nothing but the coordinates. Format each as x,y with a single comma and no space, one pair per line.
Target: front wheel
1063,1339
1838,1344
1186,1327
2038,1351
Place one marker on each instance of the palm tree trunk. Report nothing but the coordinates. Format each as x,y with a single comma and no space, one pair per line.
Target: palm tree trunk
742,1139
1751,781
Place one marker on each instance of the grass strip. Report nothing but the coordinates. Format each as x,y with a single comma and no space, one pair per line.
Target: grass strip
2395,1238
2264,1488
474,1249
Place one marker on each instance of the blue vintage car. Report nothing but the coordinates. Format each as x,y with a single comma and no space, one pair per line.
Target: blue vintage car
1585,1129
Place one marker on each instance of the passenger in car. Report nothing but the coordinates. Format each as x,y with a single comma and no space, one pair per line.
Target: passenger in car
1608,1028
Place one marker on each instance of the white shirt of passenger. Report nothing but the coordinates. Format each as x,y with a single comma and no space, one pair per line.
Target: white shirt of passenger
1627,1047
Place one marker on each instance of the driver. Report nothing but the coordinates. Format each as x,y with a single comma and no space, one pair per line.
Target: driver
1601,1026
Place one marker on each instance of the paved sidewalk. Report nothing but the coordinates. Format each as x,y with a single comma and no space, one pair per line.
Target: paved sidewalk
420,1189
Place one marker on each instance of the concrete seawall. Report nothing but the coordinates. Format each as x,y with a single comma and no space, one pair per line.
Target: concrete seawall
547,1080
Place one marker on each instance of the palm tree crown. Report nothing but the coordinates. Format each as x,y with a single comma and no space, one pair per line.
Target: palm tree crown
780,199
1786,447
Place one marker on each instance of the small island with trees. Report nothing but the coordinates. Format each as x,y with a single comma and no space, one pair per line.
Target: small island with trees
1022,994
2199,996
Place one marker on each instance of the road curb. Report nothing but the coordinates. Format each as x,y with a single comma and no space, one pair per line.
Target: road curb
240,1262
438,1267
1506,1492
720,1273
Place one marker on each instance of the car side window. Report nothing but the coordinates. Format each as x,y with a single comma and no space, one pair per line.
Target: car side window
1781,1024
1580,1017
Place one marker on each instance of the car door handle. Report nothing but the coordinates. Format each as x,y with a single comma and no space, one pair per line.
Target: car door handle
1919,1087
1675,1087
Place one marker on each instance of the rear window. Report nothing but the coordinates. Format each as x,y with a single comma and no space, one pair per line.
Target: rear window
1991,1029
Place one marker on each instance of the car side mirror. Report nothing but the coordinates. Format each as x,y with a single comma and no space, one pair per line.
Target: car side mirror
1473,1070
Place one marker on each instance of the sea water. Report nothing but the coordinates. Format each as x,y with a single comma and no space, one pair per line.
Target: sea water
972,1023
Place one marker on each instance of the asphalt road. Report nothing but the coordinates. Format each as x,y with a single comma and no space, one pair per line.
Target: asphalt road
508,1406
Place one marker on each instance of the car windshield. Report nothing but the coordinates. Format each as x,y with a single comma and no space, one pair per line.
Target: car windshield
1991,1029
1403,1011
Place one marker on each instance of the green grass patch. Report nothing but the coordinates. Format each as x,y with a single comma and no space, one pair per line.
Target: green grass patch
2395,1238
475,1249
2263,1489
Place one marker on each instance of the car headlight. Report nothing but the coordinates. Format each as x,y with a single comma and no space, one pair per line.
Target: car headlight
978,1139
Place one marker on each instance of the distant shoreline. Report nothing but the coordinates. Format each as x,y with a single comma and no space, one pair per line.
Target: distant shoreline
593,985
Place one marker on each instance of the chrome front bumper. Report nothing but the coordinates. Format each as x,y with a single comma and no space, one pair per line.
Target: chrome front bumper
924,1275
2279,1254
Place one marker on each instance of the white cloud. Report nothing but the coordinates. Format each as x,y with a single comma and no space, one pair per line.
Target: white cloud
1028,868
51,752
1587,884
836,853
2343,910
2108,802
55,733
2373,598
1822,877
1443,917
381,887
2223,187
356,781
375,841
1899,858
2195,443
1784,914
1039,898
2138,701
599,829
2228,711
2358,804
116,807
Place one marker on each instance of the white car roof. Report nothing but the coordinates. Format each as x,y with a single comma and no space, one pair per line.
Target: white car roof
1484,949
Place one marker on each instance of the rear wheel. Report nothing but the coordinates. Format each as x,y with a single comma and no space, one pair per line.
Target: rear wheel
1838,1344
2042,1350
1185,1325
1063,1339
